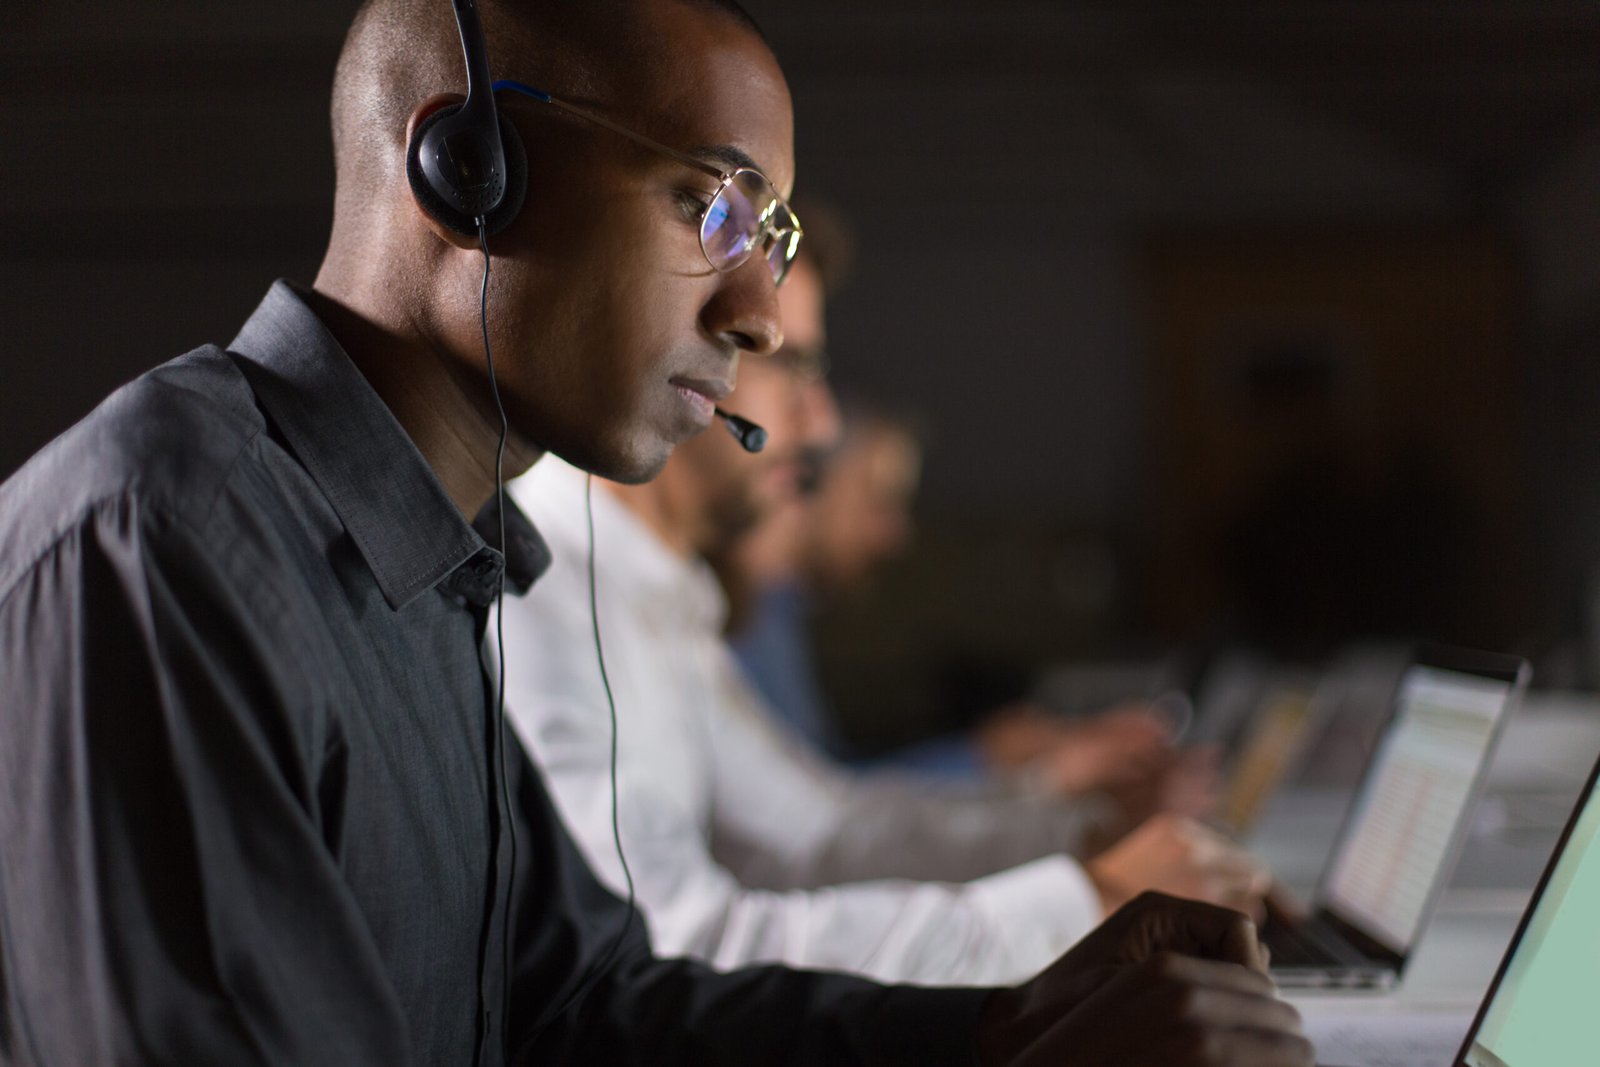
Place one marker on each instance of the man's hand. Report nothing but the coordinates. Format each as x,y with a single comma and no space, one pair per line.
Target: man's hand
1122,747
1183,858
1162,983
1187,783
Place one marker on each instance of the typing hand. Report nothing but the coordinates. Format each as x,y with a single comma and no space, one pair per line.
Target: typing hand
1120,748
1181,857
1189,782
1162,983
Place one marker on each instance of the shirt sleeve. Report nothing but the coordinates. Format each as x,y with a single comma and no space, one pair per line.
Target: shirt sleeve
813,823
165,896
586,988
1002,928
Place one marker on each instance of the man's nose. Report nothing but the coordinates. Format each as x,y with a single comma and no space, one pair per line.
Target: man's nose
743,313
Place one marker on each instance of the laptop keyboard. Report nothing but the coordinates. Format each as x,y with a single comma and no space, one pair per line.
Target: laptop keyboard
1291,948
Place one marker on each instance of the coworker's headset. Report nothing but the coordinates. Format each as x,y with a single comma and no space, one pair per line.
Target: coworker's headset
465,165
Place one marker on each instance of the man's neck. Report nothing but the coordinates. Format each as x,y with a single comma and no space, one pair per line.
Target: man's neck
438,405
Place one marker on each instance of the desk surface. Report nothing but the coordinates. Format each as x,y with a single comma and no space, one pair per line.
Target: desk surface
1439,996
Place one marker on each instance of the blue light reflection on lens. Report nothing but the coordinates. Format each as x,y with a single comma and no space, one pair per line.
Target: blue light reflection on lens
719,234
716,215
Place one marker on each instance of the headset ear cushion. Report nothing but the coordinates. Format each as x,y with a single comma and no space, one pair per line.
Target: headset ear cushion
436,205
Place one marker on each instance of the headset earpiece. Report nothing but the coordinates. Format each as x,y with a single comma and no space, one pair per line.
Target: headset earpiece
463,162
454,172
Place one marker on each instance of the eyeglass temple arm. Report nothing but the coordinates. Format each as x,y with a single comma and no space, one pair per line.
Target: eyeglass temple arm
600,120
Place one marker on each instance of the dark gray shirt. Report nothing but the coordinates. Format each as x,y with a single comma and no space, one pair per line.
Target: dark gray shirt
247,811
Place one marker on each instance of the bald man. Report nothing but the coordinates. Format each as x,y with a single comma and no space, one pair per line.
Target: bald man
254,804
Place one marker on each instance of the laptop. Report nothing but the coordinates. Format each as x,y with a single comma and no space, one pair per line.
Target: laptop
1539,1010
1405,826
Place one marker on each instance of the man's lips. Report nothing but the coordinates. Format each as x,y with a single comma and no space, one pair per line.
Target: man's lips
702,396
715,390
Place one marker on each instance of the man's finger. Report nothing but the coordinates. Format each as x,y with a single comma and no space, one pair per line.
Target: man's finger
1211,975
1253,1009
1249,904
1238,873
1282,902
1242,946
1154,923
1171,1010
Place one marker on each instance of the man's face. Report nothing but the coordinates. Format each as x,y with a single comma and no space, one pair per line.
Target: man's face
861,516
610,328
735,489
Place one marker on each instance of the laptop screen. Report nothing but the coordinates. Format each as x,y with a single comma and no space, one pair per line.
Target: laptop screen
1413,802
1541,1012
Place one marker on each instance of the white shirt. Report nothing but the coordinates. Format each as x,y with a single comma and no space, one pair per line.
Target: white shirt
744,846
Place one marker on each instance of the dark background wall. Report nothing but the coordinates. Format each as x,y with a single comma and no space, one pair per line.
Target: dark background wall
1022,174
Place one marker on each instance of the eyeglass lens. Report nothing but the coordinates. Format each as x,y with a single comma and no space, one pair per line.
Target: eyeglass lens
746,214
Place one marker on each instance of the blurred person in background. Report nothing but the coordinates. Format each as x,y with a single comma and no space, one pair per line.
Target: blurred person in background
744,845
826,544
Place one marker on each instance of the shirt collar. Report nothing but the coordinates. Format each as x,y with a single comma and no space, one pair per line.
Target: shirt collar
406,526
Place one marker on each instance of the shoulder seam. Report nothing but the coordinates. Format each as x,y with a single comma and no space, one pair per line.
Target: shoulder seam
155,507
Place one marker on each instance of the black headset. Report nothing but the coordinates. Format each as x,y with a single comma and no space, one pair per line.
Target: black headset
468,170
463,162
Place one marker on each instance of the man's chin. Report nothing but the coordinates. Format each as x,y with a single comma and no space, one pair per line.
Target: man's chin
626,467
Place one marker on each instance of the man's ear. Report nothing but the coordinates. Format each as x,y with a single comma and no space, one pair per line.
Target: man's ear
443,218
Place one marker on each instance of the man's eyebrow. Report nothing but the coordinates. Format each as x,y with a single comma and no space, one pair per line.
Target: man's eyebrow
728,155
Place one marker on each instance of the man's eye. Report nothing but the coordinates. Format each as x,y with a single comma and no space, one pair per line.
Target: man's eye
694,204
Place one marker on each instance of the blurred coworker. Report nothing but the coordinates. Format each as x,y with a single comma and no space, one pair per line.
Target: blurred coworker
745,847
827,544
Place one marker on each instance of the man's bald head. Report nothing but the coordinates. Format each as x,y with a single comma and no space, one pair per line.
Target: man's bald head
611,331
400,52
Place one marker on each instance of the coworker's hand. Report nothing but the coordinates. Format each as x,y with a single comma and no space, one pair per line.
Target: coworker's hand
1012,736
1187,783
1285,906
1162,983
1179,856
1126,745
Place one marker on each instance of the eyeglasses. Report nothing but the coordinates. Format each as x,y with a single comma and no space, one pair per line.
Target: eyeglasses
747,214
